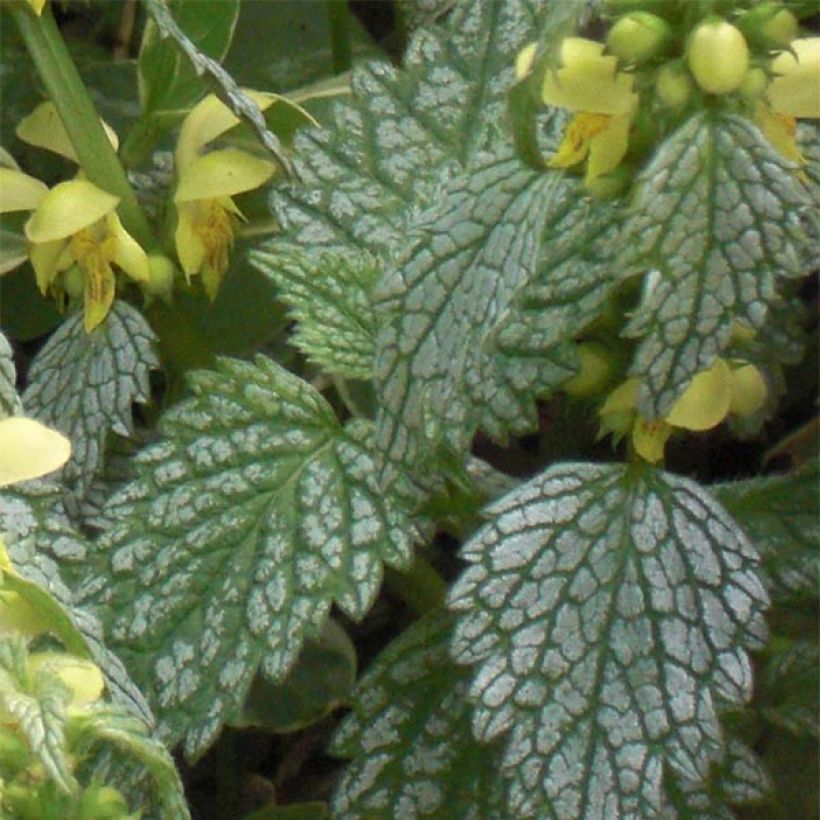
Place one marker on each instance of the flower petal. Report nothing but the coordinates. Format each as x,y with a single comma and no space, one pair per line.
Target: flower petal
588,81
705,403
608,147
45,259
19,191
100,285
44,128
796,91
189,245
67,208
209,118
649,438
82,677
780,130
129,255
222,173
29,449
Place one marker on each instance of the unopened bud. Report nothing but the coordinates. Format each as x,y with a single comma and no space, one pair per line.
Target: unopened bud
595,372
674,85
754,84
769,25
748,390
160,276
718,56
638,37
74,282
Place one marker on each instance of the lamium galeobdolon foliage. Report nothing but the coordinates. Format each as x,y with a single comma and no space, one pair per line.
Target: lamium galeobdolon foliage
584,222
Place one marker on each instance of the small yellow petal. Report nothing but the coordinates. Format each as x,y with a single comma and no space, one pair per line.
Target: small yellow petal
129,255
99,293
748,390
622,398
578,135
705,402
37,6
18,616
207,120
524,60
649,438
796,89
608,147
67,208
588,81
82,677
19,191
190,248
46,259
44,128
29,449
780,130
222,173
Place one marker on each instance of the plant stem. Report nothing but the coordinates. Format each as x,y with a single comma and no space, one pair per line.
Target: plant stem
338,21
67,91
420,586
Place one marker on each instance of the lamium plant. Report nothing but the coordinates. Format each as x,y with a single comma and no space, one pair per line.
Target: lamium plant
431,422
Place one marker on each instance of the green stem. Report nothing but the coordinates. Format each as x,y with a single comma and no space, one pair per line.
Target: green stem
420,587
67,91
338,21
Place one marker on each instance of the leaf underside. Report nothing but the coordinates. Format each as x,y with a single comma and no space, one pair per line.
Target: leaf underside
606,613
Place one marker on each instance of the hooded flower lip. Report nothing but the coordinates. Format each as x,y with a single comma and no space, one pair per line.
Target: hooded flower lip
76,223
604,101
207,181
711,396
29,450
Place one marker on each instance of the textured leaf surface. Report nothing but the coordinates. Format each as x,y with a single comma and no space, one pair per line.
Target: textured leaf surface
779,513
409,738
253,515
330,298
717,220
606,611
405,131
787,691
84,384
9,400
45,549
450,290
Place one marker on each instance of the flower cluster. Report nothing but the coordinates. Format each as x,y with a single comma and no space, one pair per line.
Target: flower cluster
649,70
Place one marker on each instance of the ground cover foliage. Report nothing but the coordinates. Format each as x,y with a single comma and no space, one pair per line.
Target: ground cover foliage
453,478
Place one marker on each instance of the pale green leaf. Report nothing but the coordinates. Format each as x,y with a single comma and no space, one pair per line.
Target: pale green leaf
253,514
607,611
84,384
330,299
409,737
9,400
716,222
779,513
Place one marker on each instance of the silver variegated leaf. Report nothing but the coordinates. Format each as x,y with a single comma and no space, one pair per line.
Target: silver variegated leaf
607,612
253,514
330,299
84,384
9,400
409,738
717,220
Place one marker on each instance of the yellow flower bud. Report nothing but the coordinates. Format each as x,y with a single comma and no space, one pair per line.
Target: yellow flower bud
673,85
718,56
749,390
638,37
595,371
82,677
754,84
769,25
160,276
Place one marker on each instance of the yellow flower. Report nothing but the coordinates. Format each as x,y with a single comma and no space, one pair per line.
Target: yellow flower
793,92
82,678
711,396
207,181
588,83
28,449
75,230
36,5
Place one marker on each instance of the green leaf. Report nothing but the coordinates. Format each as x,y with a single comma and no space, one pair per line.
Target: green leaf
169,83
223,85
391,147
787,690
253,514
716,222
330,298
449,292
85,383
320,682
104,723
779,513
36,705
409,738
10,404
44,549
606,611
